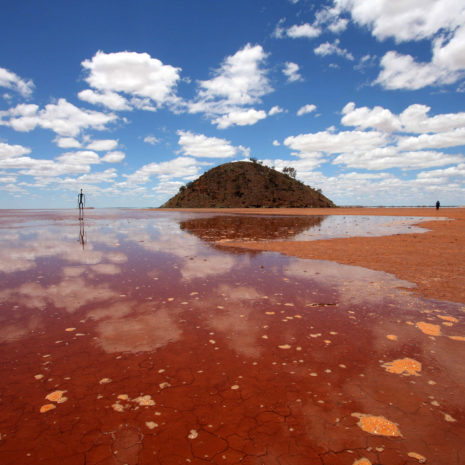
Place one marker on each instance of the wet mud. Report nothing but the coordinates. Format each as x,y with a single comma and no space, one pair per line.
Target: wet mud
131,338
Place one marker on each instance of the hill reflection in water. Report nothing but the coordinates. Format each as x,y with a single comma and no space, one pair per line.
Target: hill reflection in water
256,228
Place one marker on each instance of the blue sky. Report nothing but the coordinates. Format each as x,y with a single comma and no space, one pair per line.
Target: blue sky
131,100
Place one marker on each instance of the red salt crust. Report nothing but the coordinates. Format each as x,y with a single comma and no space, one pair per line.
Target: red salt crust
434,261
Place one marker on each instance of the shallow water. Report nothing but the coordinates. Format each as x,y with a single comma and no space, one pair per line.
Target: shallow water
129,337
222,228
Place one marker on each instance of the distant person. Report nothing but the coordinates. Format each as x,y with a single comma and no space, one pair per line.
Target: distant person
81,200
438,205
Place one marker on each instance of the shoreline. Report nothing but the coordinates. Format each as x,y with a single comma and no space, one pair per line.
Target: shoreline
433,260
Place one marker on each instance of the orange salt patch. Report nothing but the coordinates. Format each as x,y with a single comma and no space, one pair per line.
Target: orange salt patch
362,461
457,338
404,366
144,401
47,407
117,407
285,346
377,425
392,337
418,457
429,329
269,313
56,396
447,323
70,329
448,318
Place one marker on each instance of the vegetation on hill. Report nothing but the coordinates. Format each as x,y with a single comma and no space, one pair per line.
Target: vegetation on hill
246,184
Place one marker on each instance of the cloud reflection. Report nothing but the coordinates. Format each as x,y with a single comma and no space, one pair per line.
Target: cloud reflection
141,333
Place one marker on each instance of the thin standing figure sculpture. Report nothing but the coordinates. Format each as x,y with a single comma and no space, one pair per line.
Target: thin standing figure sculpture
81,203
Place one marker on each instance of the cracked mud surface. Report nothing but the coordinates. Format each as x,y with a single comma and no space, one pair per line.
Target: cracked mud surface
150,345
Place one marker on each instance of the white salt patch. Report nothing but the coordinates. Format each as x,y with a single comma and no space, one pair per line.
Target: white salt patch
193,434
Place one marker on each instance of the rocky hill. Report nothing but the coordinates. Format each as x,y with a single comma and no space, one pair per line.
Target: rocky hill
246,184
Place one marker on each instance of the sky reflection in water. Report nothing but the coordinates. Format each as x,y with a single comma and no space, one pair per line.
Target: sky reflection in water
242,355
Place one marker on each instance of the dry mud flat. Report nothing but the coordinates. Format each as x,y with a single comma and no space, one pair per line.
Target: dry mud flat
132,338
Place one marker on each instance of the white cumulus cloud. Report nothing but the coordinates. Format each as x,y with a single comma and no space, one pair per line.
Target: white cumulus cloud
135,74
403,72
328,48
180,167
67,142
405,20
442,22
103,145
62,117
240,80
291,71
12,81
303,31
240,118
364,117
81,157
335,142
275,110
454,138
414,119
201,146
306,109
114,157
108,99
152,140
12,151
238,83
390,157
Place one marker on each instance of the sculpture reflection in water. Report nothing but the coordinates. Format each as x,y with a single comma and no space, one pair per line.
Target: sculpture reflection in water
82,232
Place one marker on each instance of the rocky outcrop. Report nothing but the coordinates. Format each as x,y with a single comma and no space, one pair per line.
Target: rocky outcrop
247,185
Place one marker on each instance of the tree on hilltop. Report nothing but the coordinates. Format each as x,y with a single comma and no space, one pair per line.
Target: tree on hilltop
290,171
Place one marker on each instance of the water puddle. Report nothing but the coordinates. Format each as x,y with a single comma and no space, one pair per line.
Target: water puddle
128,337
223,228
